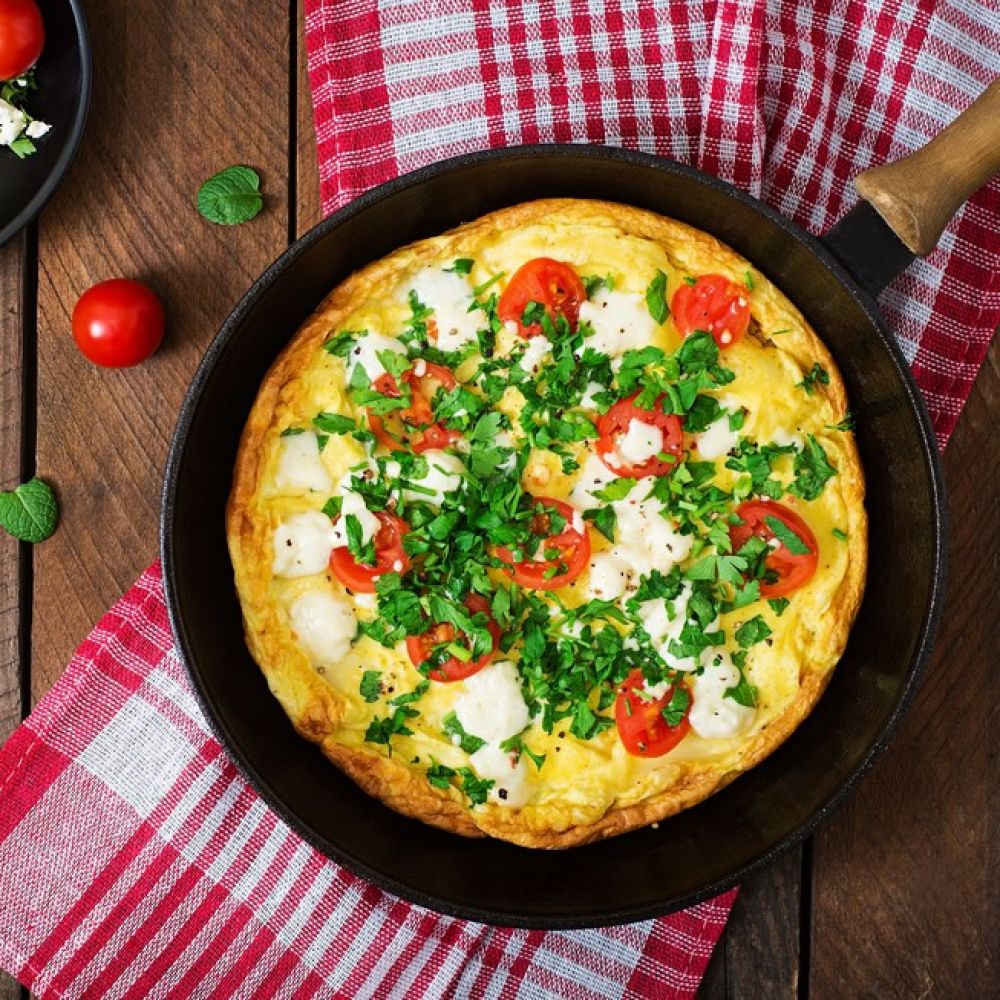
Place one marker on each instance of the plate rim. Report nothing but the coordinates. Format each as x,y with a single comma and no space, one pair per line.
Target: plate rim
33,208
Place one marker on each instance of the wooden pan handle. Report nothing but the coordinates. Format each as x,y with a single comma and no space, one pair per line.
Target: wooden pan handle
918,195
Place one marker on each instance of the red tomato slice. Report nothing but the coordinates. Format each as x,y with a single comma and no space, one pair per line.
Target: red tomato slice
572,545
714,304
551,283
418,415
641,726
389,557
615,423
22,37
420,647
793,571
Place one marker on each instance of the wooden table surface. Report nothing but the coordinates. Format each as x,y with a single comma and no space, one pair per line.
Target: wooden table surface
896,897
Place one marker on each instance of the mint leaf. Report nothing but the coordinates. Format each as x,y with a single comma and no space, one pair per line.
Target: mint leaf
30,511
656,298
231,197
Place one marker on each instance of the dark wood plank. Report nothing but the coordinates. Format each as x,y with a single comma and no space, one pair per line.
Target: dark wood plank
758,954
10,474
308,208
906,876
11,258
181,91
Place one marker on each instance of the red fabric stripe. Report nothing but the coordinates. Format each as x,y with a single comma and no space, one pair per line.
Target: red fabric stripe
26,750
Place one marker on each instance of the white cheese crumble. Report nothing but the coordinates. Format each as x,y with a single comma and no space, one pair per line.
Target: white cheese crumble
37,129
587,400
713,715
639,443
444,475
610,577
299,466
783,439
647,540
449,295
302,544
537,350
324,625
508,773
716,439
365,353
492,707
593,477
354,504
12,121
663,621
620,320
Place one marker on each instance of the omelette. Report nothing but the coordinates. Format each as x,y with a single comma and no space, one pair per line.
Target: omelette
548,527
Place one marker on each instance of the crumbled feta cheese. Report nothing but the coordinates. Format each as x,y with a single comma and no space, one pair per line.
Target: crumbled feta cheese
449,295
365,353
444,475
491,705
324,625
592,478
354,504
302,544
299,465
509,775
716,439
12,122
783,439
647,540
587,400
610,576
537,350
639,443
713,715
620,320
37,129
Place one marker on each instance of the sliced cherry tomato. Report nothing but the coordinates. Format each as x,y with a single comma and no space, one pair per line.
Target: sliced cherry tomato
22,37
615,423
389,556
643,730
714,304
421,647
792,569
118,323
418,416
552,284
571,544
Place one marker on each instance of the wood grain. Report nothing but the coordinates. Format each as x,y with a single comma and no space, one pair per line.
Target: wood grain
758,954
11,311
11,257
906,876
181,90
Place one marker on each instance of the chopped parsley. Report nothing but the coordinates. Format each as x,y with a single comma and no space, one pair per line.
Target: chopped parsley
656,298
454,730
371,685
817,375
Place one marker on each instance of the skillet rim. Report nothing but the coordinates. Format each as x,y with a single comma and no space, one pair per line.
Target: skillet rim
486,914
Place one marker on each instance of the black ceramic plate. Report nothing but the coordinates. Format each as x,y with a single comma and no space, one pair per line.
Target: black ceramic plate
62,99
705,849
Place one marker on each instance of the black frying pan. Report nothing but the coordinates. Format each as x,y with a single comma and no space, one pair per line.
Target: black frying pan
701,851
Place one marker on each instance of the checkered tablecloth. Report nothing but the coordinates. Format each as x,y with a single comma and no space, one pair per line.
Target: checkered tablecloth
134,860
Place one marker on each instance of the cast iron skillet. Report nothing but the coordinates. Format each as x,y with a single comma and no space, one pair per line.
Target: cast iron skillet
708,848
62,100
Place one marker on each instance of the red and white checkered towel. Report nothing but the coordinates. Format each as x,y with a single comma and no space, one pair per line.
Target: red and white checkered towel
134,860
788,99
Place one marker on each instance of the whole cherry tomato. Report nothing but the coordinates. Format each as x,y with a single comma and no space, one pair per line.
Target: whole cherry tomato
118,323
22,37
